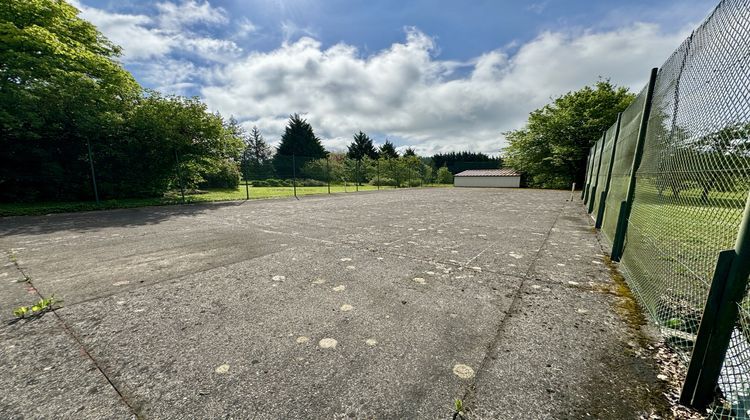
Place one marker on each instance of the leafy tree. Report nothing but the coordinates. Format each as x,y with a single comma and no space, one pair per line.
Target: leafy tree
388,150
444,176
298,140
553,146
61,90
256,158
362,147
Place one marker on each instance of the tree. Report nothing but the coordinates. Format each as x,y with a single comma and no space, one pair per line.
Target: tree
256,158
409,152
298,141
461,161
362,147
444,176
388,150
553,146
61,91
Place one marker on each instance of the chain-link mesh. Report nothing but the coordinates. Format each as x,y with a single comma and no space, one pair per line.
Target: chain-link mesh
603,173
622,164
595,166
691,188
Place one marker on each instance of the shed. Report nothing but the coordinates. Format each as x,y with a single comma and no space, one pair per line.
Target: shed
492,178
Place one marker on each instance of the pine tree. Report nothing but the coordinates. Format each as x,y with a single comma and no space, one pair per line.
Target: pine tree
409,152
388,150
362,147
298,145
257,156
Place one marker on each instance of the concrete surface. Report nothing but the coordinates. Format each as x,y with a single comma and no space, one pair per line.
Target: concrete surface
372,305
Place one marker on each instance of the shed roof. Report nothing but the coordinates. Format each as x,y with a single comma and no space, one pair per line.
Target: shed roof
490,172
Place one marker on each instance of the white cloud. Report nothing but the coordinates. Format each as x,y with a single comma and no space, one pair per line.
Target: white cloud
144,38
178,16
407,92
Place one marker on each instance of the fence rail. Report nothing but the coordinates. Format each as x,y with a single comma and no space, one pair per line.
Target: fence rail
668,185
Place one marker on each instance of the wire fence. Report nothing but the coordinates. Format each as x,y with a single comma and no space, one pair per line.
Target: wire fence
668,184
273,176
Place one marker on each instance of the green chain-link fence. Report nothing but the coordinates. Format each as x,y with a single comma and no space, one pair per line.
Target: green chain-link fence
687,199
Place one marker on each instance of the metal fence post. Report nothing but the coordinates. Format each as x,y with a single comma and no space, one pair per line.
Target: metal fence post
93,173
586,177
603,199
247,191
294,175
599,168
356,176
719,318
179,175
378,173
627,205
328,169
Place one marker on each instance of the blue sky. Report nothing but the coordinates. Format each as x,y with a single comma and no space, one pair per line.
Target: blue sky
435,75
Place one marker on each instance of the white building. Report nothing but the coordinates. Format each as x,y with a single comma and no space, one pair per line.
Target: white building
492,178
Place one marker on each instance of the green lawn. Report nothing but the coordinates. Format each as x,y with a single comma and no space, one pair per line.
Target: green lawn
27,209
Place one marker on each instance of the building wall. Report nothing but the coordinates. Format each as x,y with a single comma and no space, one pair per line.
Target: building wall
487,181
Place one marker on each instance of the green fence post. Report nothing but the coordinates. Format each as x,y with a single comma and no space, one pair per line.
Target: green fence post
718,332
586,177
328,169
599,168
626,206
603,199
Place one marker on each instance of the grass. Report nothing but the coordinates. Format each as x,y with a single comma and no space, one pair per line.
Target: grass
171,198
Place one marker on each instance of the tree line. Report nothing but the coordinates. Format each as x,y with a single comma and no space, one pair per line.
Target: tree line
73,121
300,154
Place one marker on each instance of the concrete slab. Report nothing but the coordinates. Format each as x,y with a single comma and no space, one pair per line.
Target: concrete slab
45,374
375,305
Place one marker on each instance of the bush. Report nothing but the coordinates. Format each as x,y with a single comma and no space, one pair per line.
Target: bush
444,176
260,183
311,183
221,174
390,182
413,183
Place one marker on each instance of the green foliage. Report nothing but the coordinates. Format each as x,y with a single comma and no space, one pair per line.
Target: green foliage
298,140
221,174
256,158
383,181
38,309
388,150
60,85
553,146
460,161
409,152
361,147
444,176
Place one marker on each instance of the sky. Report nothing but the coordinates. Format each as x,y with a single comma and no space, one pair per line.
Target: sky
438,76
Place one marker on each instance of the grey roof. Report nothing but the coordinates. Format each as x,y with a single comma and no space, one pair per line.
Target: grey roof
490,172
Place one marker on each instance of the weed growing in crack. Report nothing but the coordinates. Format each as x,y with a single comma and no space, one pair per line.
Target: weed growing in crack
458,407
38,309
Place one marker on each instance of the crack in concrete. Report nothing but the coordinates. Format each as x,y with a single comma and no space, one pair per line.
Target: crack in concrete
69,331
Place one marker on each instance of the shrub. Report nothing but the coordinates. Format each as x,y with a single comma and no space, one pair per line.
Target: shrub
390,182
413,183
221,174
259,183
311,183
444,176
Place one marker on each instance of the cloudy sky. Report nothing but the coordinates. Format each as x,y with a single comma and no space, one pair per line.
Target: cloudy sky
434,75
